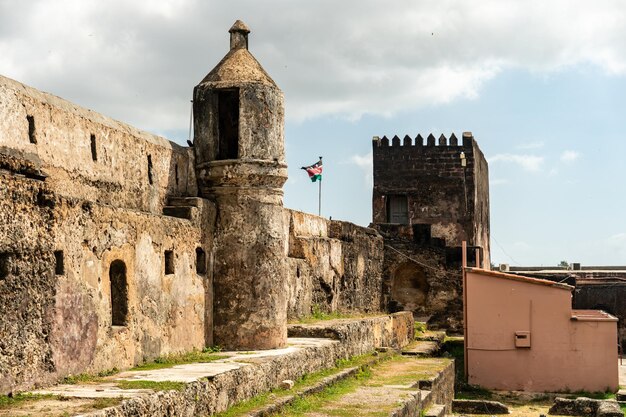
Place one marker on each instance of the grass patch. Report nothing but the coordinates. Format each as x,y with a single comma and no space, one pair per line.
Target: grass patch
195,356
262,400
419,327
100,403
595,395
317,314
17,399
86,378
307,404
153,385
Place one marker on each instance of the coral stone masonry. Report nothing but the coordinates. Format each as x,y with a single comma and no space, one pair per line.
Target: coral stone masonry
240,164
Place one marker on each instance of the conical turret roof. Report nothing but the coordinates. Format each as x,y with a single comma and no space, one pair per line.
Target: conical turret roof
239,66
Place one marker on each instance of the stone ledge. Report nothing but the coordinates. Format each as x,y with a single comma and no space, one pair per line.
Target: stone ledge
215,392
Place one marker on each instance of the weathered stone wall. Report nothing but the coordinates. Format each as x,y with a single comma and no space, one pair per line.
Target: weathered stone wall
604,294
67,215
87,155
212,395
423,275
439,190
333,266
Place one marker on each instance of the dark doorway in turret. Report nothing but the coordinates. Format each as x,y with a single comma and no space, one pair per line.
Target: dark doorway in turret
228,125
119,293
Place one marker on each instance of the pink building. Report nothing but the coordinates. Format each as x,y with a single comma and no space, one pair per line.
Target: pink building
522,334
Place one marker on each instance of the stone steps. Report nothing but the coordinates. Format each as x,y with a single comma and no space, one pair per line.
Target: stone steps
392,387
436,410
179,212
422,348
621,395
182,207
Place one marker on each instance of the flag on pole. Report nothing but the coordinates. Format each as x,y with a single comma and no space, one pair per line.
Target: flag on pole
314,171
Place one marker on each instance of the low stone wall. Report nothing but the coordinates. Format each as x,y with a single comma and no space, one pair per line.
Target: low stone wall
395,331
441,387
333,266
213,395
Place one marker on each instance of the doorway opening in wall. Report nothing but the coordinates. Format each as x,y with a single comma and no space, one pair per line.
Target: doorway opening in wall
119,293
200,261
228,123
32,138
397,209
4,265
169,262
409,286
94,147
59,264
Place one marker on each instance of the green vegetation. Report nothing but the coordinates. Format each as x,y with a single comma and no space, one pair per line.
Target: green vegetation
595,395
420,328
153,385
7,401
259,401
100,403
309,403
195,356
86,378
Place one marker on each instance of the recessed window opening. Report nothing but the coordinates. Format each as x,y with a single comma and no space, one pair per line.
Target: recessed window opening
59,265
169,262
176,173
31,129
5,259
94,148
119,293
150,169
228,124
200,261
397,209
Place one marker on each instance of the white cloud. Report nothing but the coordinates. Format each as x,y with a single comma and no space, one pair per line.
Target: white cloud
531,145
364,162
139,61
569,156
531,163
617,244
498,181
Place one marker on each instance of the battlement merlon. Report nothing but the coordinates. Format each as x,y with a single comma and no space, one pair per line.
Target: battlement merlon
467,141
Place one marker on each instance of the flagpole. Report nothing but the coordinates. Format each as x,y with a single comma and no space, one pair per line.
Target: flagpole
319,206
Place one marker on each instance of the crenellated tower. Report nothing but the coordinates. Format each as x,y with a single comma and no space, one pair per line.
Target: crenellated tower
240,162
438,182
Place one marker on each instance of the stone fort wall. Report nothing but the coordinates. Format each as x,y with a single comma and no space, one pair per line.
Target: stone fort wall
82,203
454,199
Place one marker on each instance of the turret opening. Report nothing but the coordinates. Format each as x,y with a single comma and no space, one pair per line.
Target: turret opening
228,123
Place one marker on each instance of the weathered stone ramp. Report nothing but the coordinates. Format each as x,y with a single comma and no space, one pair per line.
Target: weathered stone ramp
394,387
212,387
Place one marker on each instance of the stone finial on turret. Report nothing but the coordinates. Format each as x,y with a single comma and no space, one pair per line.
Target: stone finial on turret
239,35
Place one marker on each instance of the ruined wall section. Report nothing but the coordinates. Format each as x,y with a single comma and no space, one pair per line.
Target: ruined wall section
439,190
333,266
56,256
92,275
481,209
86,155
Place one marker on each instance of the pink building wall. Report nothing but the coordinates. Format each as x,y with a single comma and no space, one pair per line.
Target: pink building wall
569,349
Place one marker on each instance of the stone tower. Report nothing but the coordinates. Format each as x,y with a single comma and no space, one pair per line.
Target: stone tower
440,184
240,163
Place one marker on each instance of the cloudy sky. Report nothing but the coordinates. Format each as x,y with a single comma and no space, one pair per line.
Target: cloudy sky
541,84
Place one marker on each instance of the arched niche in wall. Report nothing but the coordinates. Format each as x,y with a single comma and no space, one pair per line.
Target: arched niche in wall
409,286
119,293
200,261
